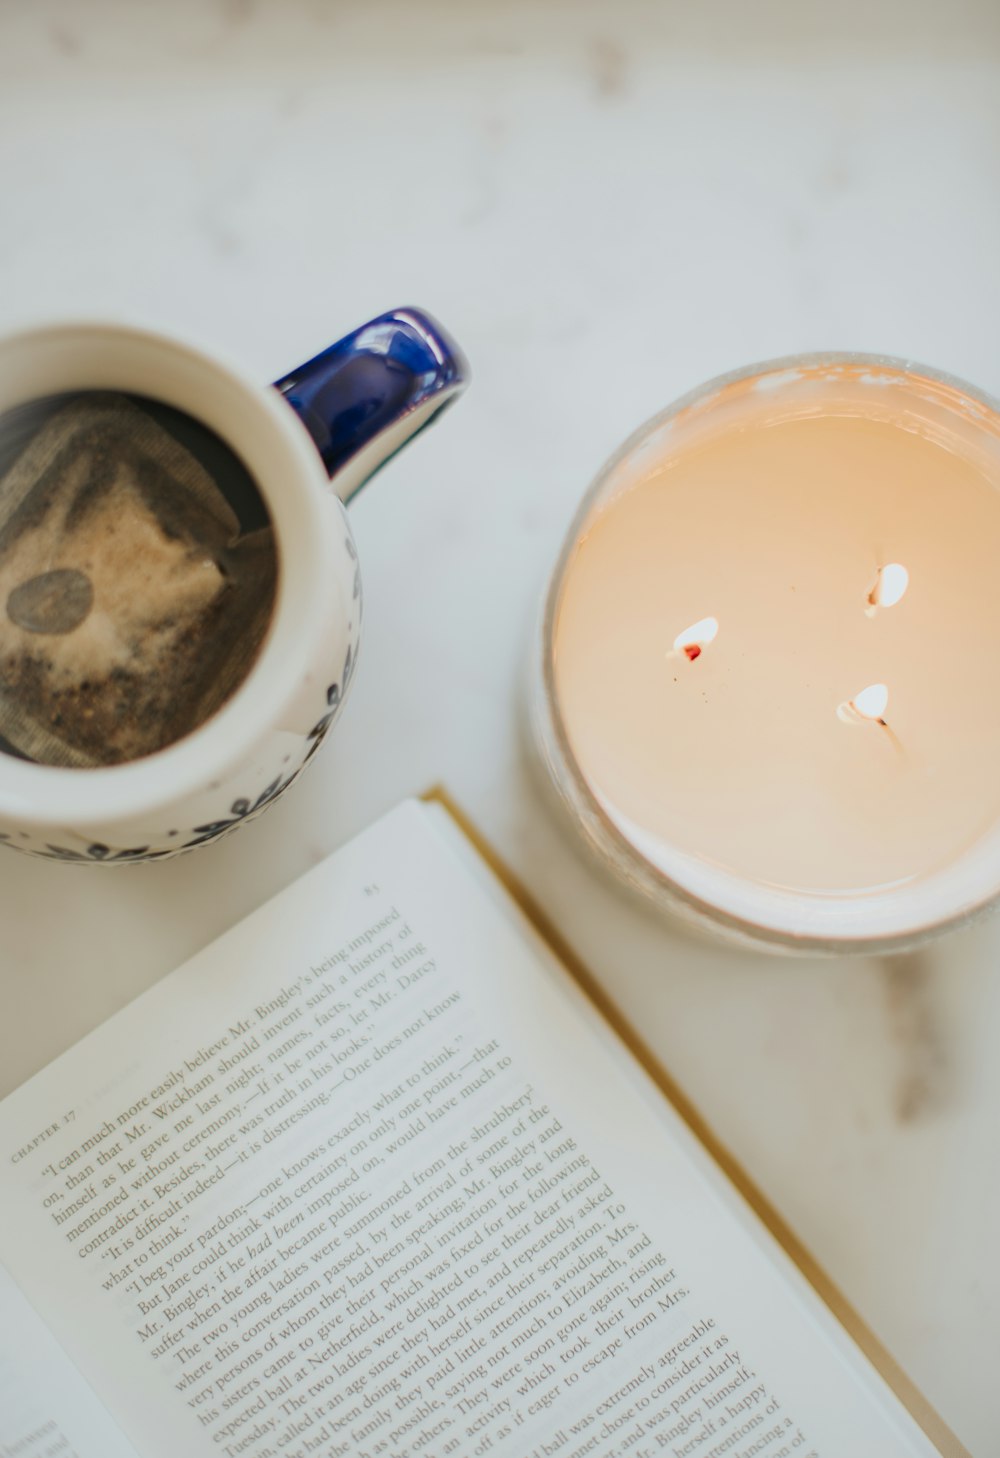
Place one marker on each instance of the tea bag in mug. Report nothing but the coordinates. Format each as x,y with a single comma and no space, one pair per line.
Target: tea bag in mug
132,601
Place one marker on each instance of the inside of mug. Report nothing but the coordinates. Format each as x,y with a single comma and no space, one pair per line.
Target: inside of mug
138,575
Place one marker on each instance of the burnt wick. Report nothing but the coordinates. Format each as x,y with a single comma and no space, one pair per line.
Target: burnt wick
888,588
869,707
693,641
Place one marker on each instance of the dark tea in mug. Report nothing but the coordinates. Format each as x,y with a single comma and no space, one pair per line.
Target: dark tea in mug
138,572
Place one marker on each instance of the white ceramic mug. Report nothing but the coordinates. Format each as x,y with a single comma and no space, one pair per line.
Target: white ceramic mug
343,414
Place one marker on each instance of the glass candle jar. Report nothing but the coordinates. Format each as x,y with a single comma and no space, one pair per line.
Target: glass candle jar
768,684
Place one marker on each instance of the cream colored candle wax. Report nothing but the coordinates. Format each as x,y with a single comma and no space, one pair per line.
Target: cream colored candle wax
777,646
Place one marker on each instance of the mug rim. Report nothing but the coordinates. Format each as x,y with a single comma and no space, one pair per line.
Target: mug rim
814,930
52,796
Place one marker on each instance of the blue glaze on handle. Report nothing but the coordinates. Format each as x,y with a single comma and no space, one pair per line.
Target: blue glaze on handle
369,393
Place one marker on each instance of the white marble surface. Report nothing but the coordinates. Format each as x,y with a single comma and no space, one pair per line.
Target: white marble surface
607,204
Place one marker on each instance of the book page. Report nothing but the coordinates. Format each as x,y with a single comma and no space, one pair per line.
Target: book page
46,1408
364,1178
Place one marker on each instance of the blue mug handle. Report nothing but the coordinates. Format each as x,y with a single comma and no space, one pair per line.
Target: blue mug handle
368,394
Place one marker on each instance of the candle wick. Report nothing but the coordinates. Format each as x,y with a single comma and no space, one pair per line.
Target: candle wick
889,587
894,738
869,707
695,639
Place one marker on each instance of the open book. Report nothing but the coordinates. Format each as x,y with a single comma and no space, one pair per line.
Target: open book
370,1176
